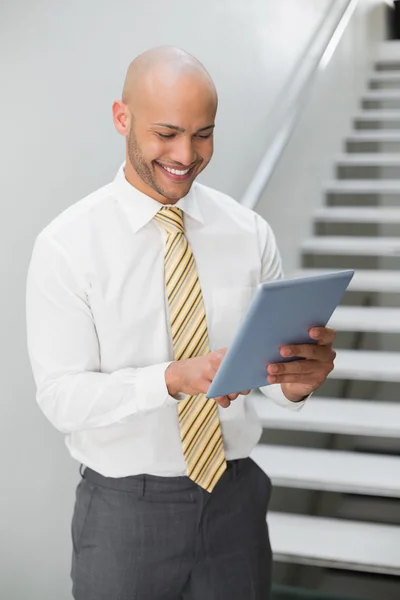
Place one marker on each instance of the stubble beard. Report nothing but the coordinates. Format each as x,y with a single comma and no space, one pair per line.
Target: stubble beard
142,168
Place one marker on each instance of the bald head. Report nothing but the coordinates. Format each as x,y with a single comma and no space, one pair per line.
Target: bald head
167,114
161,69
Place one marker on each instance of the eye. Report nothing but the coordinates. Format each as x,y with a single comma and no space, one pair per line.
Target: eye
165,136
206,136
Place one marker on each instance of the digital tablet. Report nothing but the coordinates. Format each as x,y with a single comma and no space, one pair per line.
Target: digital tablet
281,312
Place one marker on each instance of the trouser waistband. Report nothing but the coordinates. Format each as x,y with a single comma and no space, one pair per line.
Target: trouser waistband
137,482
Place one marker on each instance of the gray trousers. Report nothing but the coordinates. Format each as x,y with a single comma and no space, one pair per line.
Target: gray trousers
164,538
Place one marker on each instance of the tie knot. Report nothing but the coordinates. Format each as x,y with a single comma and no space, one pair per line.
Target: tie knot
171,218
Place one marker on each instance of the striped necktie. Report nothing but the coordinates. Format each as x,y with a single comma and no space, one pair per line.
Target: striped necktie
198,416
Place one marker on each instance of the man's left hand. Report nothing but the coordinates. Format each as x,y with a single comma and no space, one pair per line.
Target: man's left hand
300,378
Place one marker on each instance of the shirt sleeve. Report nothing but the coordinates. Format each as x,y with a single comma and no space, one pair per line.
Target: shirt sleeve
274,393
64,352
271,269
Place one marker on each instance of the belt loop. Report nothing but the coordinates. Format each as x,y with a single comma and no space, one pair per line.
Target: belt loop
143,487
80,471
235,466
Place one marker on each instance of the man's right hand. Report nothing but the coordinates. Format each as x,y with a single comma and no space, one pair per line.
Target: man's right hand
193,376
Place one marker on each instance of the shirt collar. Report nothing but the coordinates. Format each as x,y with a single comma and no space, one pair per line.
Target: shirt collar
141,209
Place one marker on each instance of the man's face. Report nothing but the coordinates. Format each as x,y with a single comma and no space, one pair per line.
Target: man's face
171,139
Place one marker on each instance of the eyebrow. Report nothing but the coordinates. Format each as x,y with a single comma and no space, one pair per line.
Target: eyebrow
180,129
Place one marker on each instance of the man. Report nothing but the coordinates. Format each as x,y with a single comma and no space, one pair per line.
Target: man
128,292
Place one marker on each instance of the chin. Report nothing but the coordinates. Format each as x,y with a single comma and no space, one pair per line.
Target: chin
176,194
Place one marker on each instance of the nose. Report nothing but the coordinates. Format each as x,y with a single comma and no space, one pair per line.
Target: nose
183,151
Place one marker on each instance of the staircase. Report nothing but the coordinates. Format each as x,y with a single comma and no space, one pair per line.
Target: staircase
335,513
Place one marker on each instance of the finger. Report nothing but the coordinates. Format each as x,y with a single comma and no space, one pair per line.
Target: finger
298,366
314,379
215,359
245,393
223,401
317,372
220,353
233,396
309,351
324,335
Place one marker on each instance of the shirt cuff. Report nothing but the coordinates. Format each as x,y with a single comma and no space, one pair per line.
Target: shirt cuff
275,393
151,387
179,396
173,400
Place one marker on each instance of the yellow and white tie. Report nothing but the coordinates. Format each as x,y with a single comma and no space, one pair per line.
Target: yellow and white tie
198,416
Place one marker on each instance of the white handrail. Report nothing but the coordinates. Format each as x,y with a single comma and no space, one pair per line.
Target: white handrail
291,100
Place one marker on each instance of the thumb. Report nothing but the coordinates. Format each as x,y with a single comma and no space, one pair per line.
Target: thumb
220,353
216,357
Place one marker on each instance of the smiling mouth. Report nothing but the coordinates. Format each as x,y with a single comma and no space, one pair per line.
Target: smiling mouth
176,174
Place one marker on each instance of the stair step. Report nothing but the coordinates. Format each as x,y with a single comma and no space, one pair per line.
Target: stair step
380,136
332,415
378,115
364,280
381,215
369,160
368,319
335,543
381,76
389,57
363,186
388,51
381,95
352,245
330,470
367,365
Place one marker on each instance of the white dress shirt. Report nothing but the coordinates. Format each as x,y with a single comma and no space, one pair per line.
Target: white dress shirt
98,329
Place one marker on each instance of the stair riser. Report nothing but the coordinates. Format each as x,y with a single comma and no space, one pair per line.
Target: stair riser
342,199
384,85
368,125
368,172
381,103
348,250
345,338
378,510
357,585
324,228
387,66
317,261
342,261
360,146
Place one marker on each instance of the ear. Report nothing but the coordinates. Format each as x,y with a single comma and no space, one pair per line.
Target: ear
121,117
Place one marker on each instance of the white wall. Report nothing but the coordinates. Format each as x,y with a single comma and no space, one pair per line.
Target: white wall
61,66
296,187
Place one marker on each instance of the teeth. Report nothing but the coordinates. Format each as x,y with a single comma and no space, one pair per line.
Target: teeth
175,171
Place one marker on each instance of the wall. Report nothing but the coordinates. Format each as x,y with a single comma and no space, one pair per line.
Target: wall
61,65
